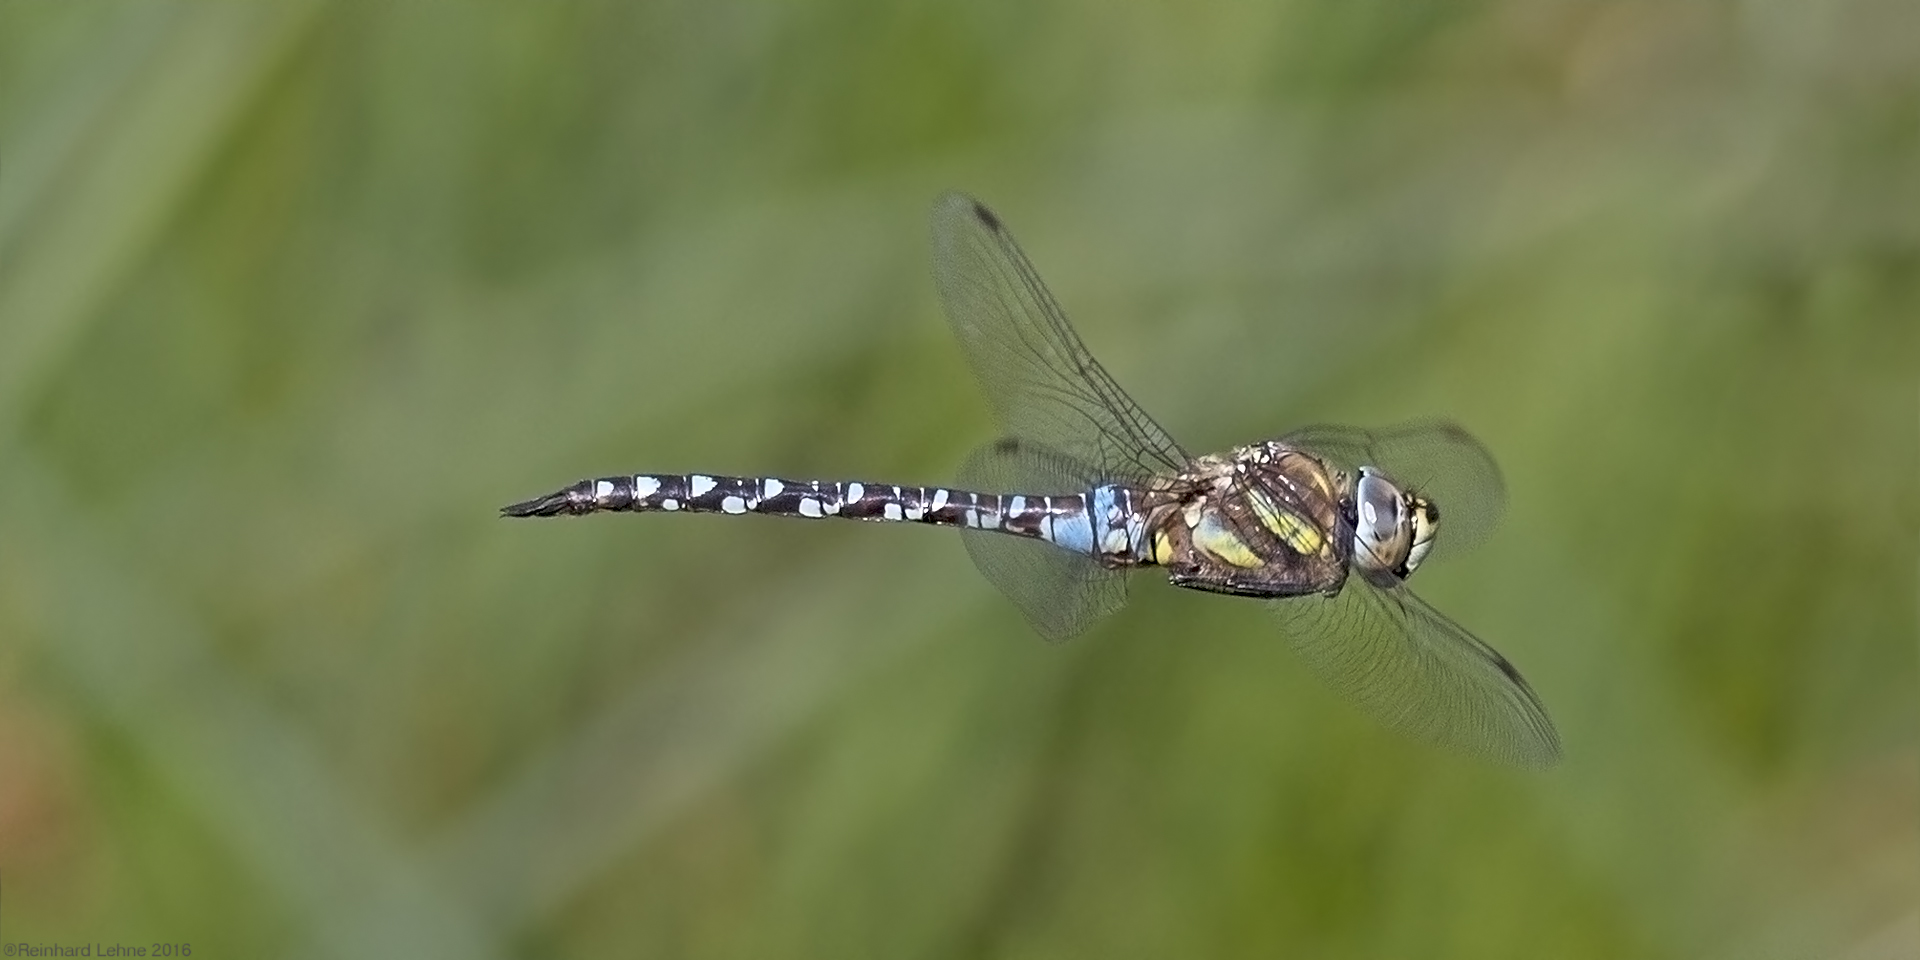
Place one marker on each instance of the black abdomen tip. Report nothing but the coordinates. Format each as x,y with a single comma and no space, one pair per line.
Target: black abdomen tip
553,504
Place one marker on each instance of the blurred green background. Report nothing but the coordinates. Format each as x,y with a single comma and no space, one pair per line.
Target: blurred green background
294,296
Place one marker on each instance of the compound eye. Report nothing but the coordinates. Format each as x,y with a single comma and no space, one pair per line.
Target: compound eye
1382,528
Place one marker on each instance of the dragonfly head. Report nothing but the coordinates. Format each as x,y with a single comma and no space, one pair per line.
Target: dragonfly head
1392,528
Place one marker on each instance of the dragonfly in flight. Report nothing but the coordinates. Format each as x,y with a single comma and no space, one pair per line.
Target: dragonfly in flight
1325,523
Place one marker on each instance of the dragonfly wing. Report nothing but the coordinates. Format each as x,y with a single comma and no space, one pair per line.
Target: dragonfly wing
1045,386
1418,672
1061,593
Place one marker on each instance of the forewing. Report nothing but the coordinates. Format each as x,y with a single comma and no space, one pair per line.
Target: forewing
1435,458
1043,383
1061,593
1420,673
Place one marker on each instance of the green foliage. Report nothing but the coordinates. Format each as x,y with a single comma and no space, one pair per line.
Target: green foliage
292,297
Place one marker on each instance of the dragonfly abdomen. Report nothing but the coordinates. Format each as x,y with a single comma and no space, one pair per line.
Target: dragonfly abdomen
1058,519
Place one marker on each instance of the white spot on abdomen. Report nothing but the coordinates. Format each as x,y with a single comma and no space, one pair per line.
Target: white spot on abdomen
644,487
697,485
855,491
810,508
891,511
770,488
602,489
669,504
733,505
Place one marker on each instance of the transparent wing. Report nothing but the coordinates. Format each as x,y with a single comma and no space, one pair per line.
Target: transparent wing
1060,593
1435,458
1042,382
1419,672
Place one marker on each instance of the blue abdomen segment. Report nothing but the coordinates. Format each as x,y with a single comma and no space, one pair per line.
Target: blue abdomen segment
1071,530
1118,530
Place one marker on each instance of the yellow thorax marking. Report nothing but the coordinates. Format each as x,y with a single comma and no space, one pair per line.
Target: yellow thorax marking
1305,538
1214,537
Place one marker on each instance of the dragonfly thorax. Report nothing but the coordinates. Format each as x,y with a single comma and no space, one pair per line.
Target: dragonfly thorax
1392,528
1265,520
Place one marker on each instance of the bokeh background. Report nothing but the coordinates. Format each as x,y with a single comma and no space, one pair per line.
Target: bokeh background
294,296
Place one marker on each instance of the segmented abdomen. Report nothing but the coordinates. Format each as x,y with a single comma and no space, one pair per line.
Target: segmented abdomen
1059,519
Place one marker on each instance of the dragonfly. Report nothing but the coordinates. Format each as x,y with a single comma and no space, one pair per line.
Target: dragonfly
1325,524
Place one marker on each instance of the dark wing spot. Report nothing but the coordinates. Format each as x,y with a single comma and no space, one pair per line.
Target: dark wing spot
1006,445
985,216
1507,667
